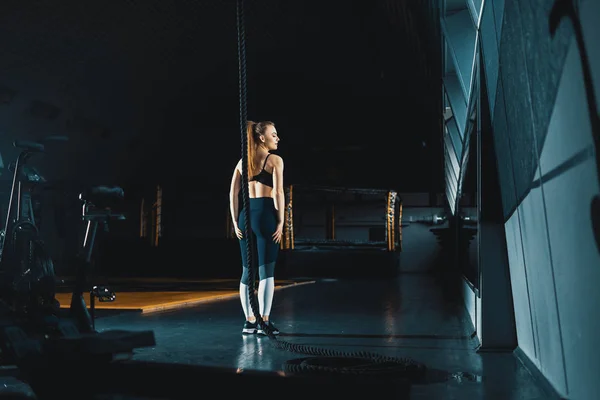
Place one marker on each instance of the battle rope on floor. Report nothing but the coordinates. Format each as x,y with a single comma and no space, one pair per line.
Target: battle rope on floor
335,362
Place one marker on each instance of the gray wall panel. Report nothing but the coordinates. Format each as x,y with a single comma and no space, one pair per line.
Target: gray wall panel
489,44
518,108
503,155
544,58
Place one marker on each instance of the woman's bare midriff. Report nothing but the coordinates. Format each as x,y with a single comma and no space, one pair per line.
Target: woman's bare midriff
257,189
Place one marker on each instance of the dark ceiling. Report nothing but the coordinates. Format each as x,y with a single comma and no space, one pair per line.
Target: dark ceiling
148,89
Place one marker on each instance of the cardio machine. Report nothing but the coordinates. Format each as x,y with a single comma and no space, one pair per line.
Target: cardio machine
96,211
50,349
27,278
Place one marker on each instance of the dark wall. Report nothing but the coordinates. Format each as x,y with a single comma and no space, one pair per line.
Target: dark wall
522,87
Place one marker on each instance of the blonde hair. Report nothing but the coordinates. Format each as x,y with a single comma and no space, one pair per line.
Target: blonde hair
254,131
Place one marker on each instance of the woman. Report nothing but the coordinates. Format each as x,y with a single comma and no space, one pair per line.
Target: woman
265,190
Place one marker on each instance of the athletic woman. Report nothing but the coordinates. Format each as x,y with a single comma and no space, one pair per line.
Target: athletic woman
266,195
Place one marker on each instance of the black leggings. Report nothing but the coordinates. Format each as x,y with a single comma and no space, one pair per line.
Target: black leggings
263,220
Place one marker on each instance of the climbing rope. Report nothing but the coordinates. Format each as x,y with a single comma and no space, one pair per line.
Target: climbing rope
336,362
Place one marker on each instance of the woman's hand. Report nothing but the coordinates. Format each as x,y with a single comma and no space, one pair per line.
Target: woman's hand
278,233
238,231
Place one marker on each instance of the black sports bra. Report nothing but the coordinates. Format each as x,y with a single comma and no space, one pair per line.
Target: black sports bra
263,176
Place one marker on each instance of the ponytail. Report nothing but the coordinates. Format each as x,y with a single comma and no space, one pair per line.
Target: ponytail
251,147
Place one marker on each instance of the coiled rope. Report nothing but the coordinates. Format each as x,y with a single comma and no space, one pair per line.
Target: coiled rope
336,361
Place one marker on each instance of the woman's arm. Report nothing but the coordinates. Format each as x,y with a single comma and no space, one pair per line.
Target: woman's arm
234,191
278,192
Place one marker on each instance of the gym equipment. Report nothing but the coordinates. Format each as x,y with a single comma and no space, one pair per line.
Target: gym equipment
27,277
325,216
66,346
96,212
33,336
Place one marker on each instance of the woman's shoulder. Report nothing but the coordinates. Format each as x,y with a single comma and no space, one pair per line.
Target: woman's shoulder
275,158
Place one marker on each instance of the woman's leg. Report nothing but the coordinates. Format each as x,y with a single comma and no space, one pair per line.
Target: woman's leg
244,296
266,288
267,257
